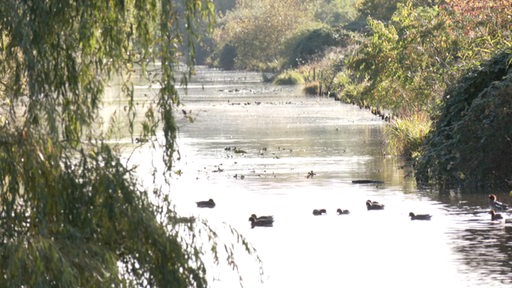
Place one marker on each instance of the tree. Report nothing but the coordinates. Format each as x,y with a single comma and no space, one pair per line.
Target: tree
408,61
377,9
259,31
482,27
334,12
72,214
405,64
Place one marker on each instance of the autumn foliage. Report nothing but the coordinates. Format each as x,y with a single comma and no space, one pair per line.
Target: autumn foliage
480,10
482,26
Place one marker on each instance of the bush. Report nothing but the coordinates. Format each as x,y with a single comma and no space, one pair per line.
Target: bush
470,145
312,88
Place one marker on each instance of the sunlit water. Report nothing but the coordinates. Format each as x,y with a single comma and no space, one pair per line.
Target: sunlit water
284,135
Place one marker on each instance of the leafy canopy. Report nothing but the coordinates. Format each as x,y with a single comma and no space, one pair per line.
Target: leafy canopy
259,30
403,65
406,63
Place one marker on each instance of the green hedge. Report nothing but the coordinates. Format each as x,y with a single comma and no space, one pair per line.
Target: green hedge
471,143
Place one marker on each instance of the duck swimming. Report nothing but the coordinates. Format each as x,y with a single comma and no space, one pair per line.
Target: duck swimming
374,205
206,204
318,212
494,204
495,216
419,216
262,221
268,218
342,211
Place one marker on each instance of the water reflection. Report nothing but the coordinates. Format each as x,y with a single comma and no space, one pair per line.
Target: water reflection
482,245
251,147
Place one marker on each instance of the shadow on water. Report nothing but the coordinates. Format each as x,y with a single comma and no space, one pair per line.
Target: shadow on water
268,150
486,248
483,246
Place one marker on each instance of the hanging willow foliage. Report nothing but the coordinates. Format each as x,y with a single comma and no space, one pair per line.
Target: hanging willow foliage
71,213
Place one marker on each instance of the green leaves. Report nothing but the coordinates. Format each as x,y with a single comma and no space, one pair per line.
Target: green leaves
398,66
470,145
71,213
259,31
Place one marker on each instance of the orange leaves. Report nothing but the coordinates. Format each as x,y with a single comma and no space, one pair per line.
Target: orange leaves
481,10
473,7
483,26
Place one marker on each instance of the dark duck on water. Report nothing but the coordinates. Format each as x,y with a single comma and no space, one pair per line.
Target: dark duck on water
206,204
419,216
374,205
318,212
262,221
342,211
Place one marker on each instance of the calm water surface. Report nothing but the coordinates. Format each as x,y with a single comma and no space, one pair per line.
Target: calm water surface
280,135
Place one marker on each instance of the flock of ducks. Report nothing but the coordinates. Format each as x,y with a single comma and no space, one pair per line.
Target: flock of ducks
268,221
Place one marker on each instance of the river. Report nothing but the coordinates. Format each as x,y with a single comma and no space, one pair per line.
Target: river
251,147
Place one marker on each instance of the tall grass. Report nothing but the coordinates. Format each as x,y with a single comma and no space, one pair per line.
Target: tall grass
405,135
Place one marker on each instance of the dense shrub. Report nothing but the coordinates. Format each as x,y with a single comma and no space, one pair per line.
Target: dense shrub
471,145
312,88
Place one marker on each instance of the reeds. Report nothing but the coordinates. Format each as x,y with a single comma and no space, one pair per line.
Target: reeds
405,135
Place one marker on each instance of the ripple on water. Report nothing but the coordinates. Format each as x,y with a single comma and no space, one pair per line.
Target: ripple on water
459,247
484,247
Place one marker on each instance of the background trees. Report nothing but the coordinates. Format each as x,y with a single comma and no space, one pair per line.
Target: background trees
259,34
381,10
71,212
399,64
259,30
405,64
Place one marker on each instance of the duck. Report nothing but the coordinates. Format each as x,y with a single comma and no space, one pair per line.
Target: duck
495,204
268,218
206,204
419,216
495,216
342,211
318,212
374,205
263,221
